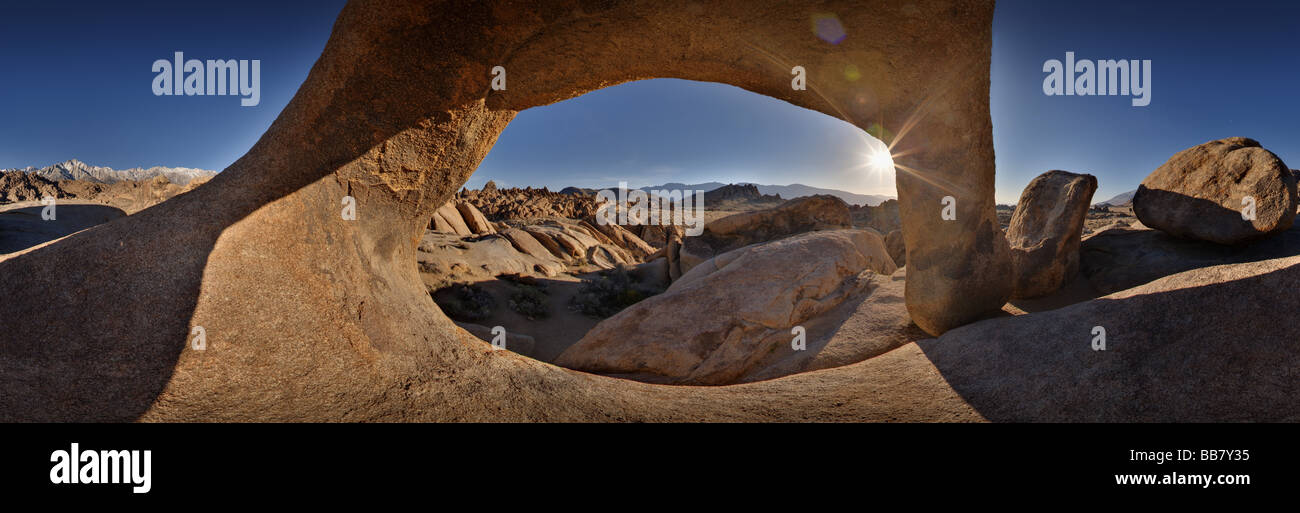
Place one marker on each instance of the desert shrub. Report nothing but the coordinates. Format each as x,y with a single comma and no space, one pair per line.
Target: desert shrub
465,302
610,291
529,301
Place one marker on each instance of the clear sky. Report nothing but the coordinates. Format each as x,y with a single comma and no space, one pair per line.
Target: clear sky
76,84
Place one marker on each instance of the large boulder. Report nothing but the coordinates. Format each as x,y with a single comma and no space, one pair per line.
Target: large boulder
821,212
449,258
625,239
438,224
766,291
526,243
449,213
474,219
1045,230
1200,193
897,248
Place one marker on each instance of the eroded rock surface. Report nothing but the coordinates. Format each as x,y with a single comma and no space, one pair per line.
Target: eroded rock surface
313,318
1201,192
1122,257
1045,231
822,212
682,337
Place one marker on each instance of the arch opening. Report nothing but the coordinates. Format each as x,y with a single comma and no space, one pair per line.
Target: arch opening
530,262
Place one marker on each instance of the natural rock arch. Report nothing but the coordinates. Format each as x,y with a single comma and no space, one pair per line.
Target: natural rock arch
308,316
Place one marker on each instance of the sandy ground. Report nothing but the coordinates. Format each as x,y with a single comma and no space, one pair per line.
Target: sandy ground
559,329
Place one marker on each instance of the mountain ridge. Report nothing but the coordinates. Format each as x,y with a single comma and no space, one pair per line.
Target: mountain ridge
795,190
73,169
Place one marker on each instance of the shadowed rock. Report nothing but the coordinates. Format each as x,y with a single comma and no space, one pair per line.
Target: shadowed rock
1121,258
1201,192
897,250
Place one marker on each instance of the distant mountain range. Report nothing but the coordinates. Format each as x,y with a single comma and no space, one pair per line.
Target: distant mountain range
1122,199
77,170
785,191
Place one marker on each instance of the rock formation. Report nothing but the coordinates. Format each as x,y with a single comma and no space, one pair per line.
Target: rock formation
130,196
683,337
1121,257
310,317
883,218
897,251
515,203
737,230
1200,193
1045,230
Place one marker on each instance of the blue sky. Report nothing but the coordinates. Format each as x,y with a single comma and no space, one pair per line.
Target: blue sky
77,85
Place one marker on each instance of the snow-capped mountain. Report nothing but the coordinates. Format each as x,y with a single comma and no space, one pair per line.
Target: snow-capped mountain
77,170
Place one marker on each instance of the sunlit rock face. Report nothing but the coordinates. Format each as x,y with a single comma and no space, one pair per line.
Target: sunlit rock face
307,315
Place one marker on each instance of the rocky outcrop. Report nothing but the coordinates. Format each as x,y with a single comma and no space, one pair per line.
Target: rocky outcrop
1045,230
883,218
310,317
897,250
766,289
1202,193
16,186
129,196
625,239
1190,346
529,203
526,243
739,195
1120,257
795,216
446,258
449,214
474,219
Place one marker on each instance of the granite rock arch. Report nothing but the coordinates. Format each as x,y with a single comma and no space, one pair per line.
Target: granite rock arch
309,317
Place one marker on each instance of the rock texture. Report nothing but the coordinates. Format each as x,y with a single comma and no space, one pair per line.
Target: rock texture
681,337
1045,230
528,203
737,230
129,196
474,219
309,317
1199,193
897,250
1120,258
1188,346
519,343
883,218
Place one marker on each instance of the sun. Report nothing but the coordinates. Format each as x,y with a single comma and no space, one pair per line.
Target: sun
880,160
